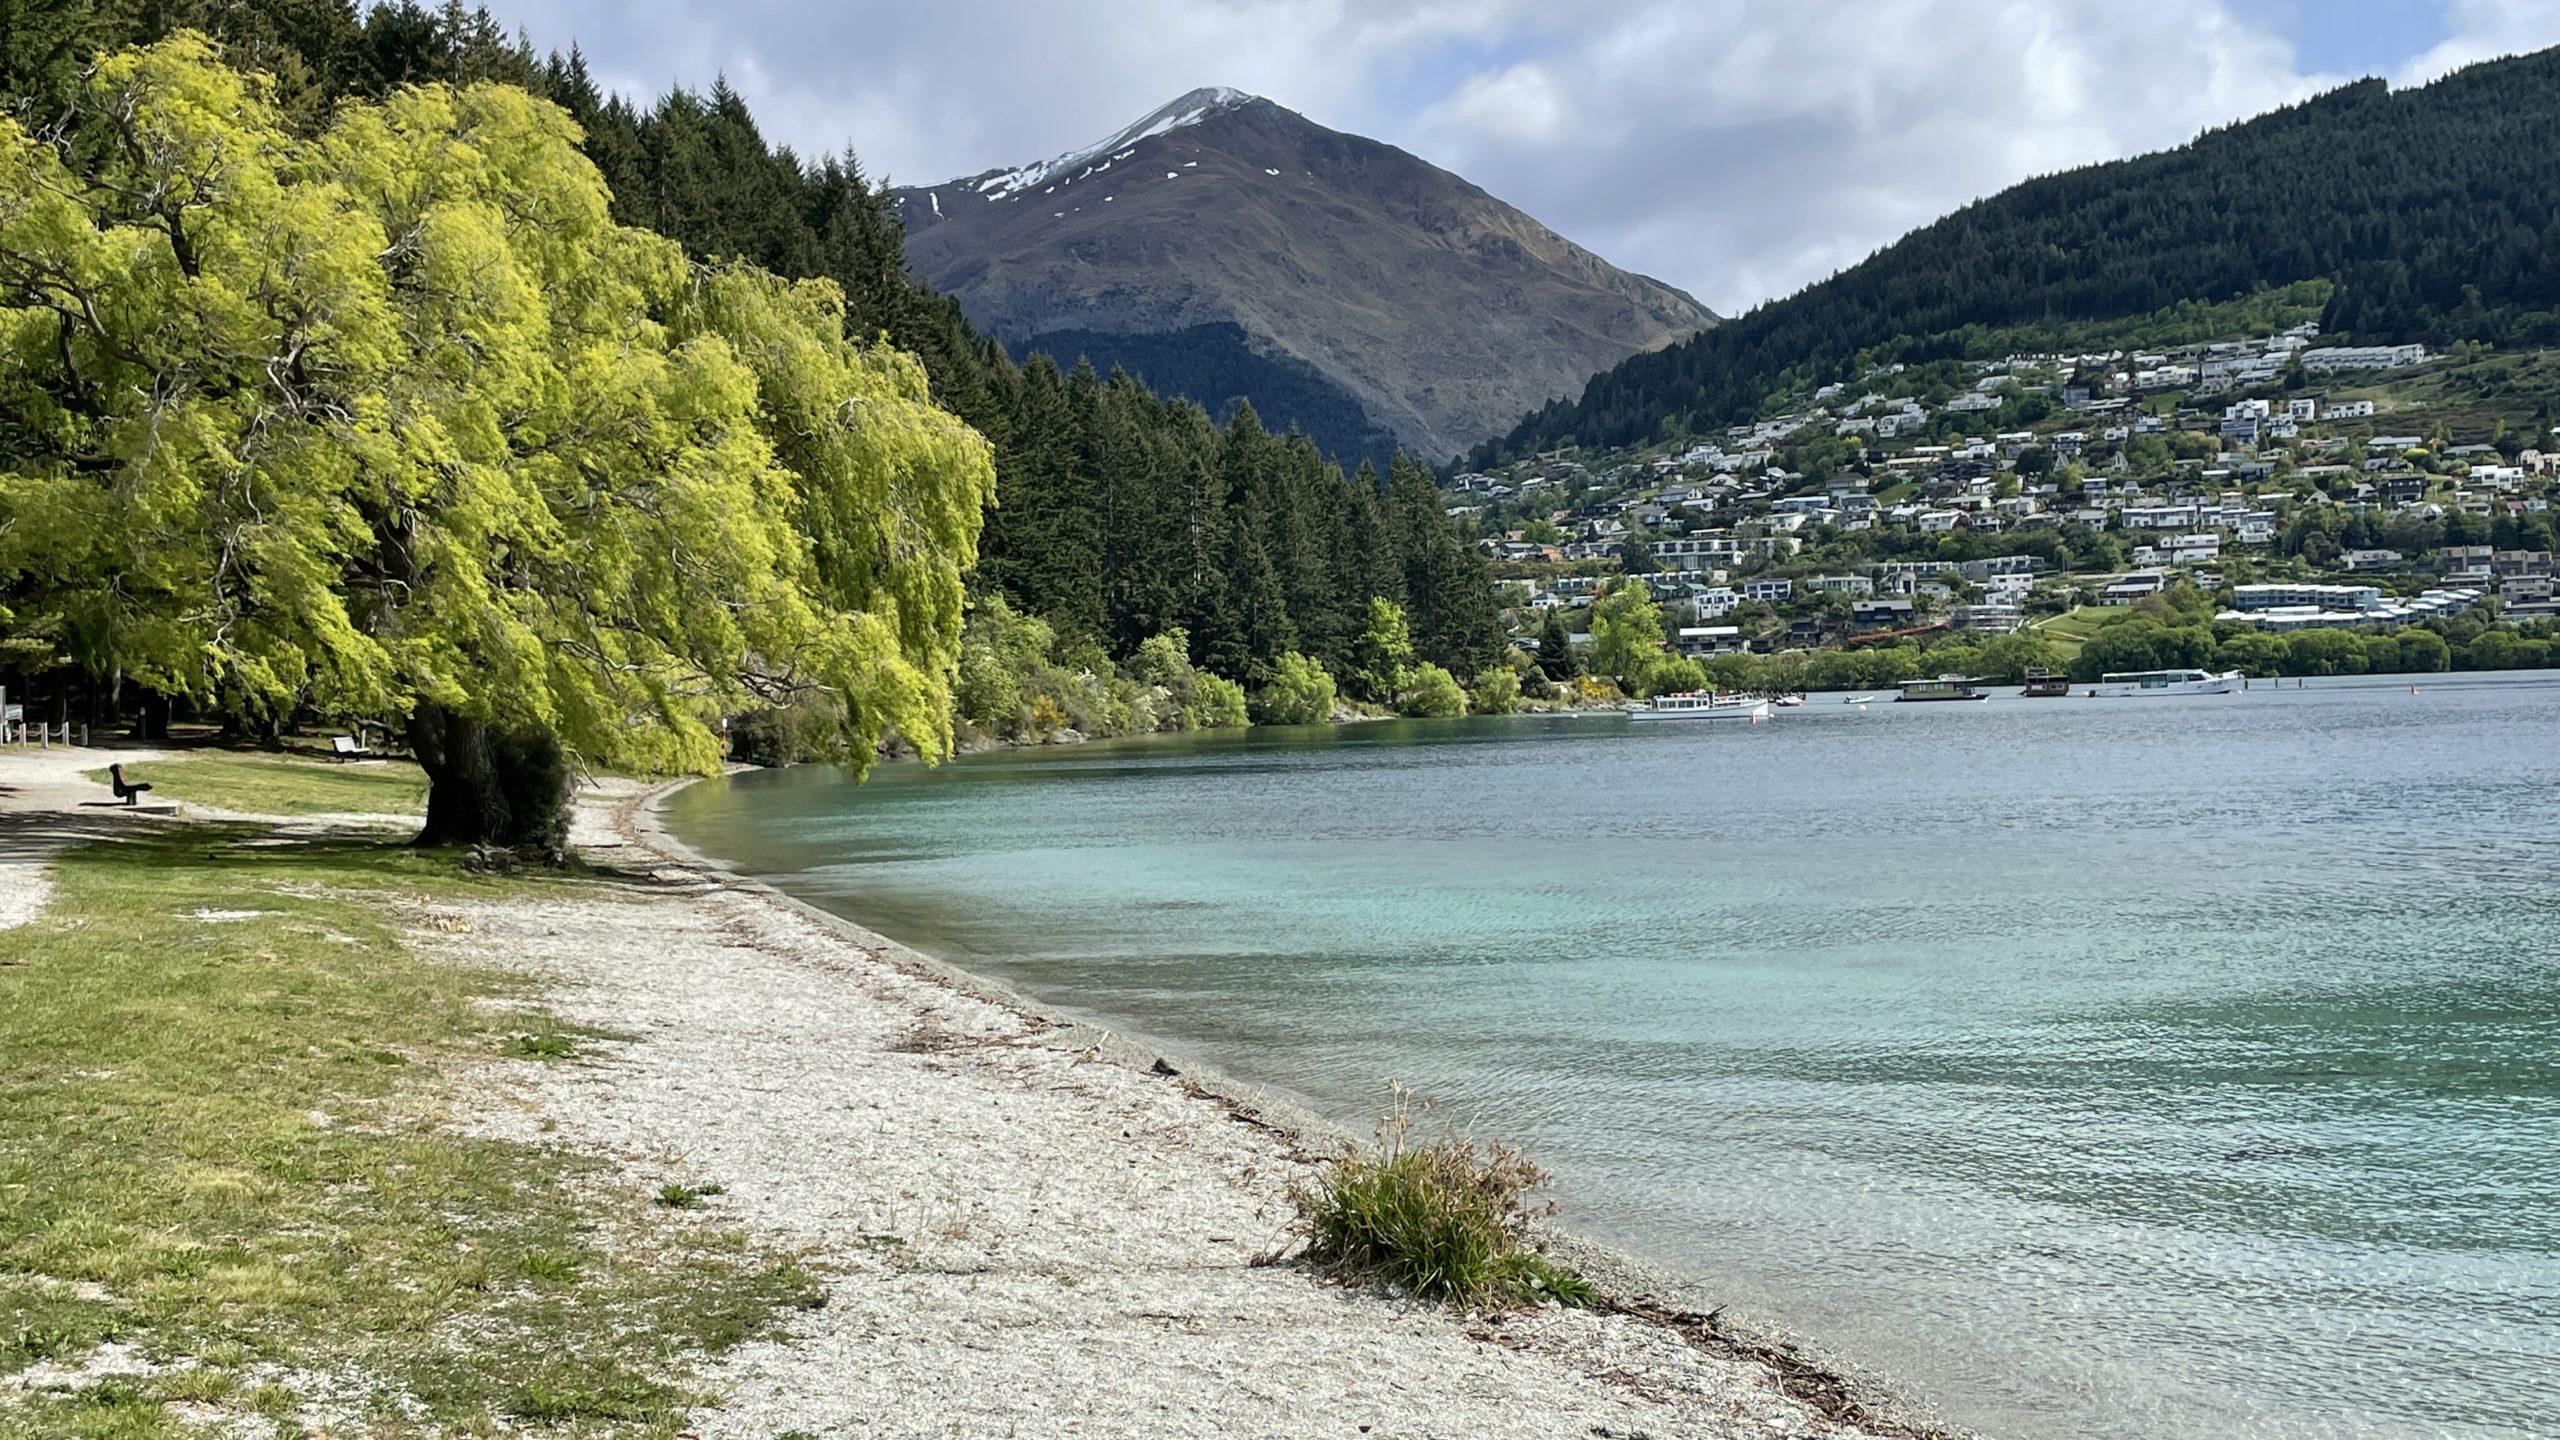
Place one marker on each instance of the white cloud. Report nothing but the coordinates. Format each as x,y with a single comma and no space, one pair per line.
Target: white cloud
1522,103
2484,30
1748,149
1738,148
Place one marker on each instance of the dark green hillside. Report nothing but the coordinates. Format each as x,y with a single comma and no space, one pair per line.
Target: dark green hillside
1217,366
2432,210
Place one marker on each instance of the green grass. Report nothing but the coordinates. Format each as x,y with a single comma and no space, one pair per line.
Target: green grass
2071,630
1437,1218
266,784
217,1145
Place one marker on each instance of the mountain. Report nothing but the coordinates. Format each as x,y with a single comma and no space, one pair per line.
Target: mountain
1223,246
2434,211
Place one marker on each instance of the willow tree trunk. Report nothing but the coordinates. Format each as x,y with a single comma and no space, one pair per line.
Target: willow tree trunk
487,786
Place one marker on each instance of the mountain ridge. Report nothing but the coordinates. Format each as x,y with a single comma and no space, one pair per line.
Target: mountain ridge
1431,304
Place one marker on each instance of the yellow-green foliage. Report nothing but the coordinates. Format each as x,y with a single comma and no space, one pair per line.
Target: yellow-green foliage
1669,674
1497,692
1217,703
1437,1217
1431,693
281,785
1013,684
1626,633
1300,692
1380,656
395,414
1194,699
221,1069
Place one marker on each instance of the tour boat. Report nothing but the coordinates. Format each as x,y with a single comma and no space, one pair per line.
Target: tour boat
1945,687
2166,682
1698,705
2045,685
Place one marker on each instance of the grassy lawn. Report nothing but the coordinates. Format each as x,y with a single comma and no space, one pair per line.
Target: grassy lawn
260,784
2071,630
218,1068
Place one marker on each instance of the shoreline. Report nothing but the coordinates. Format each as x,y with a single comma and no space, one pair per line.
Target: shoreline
1829,1384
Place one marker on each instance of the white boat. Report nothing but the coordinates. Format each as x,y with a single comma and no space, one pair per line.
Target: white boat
1698,705
1858,700
2135,683
1789,702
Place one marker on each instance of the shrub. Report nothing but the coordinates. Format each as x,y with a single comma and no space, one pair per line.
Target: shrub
1431,693
1217,703
1439,1218
1497,692
1300,692
1667,674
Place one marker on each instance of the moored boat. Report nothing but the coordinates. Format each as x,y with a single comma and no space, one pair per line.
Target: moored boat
1945,687
2045,685
1698,705
2140,683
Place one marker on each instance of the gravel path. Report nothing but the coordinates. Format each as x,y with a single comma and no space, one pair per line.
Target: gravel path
1019,1235
46,805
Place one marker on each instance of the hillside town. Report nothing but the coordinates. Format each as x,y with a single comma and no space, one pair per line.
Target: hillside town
2299,483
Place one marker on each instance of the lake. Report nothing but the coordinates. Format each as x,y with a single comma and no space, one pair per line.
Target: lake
2174,1066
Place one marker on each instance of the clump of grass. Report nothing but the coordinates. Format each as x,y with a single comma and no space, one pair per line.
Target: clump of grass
1434,1215
687,1197
547,1043
549,1265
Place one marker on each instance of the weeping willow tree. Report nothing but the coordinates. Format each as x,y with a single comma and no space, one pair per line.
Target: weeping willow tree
392,421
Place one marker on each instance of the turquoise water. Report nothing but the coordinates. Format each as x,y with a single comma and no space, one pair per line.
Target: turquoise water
2182,1067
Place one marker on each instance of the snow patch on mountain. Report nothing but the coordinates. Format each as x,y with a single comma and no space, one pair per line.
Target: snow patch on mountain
1189,110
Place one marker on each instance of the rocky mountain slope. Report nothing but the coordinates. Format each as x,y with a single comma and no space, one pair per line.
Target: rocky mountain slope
1224,246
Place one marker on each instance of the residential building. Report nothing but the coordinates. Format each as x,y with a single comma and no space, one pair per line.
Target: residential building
2362,357
1841,585
1882,614
2137,586
1700,642
1992,616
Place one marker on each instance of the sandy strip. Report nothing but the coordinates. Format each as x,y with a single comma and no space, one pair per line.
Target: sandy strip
1022,1234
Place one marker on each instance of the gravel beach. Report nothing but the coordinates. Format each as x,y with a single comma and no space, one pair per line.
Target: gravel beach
1023,1227
1022,1233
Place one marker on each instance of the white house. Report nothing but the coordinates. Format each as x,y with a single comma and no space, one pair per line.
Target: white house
2363,357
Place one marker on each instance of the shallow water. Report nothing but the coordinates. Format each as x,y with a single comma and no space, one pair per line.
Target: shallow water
2175,1066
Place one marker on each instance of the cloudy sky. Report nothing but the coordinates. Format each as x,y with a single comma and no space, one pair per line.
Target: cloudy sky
1736,148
